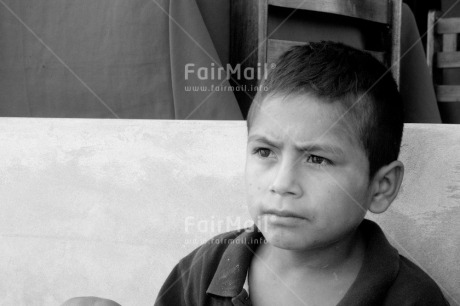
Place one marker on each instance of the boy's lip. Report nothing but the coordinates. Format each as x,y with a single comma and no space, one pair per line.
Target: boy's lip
283,213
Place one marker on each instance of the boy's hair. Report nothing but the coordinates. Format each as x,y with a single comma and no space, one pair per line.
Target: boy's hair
354,79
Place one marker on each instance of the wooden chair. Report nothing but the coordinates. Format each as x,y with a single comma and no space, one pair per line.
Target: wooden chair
252,46
443,52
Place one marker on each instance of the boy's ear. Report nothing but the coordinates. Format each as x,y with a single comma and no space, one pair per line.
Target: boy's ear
385,186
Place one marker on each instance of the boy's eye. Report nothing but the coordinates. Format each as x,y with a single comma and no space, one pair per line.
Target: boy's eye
262,152
314,159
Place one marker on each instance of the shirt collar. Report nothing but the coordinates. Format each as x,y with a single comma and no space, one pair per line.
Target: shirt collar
378,272
231,272
379,269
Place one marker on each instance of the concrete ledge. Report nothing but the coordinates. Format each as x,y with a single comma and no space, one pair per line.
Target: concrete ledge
107,207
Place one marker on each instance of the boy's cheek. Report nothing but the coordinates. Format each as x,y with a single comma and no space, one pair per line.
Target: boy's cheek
253,208
254,200
254,180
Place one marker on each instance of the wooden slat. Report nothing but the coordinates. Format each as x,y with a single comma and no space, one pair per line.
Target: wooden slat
430,40
262,31
248,34
449,42
448,25
395,49
277,47
448,93
372,10
448,59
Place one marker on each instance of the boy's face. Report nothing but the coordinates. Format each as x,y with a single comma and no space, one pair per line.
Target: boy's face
306,174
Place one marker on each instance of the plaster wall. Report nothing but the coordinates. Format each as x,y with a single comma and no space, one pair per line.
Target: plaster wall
108,207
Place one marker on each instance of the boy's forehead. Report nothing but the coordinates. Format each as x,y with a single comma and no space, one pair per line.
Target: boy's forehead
303,118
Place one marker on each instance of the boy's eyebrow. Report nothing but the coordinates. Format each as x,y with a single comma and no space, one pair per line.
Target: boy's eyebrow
313,147
320,148
263,139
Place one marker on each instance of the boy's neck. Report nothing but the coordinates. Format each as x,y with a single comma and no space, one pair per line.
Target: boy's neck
344,254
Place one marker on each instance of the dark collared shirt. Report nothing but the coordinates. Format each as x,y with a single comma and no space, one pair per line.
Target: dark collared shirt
215,273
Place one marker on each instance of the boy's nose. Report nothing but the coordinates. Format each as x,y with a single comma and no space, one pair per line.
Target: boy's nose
286,181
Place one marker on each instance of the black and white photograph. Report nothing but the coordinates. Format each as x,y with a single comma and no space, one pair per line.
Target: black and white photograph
230,152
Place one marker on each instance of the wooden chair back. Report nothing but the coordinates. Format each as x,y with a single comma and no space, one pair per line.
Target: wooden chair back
443,53
252,46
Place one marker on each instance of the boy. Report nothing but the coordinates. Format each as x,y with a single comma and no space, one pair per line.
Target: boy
323,140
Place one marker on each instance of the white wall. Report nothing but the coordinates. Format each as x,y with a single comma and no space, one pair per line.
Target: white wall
99,207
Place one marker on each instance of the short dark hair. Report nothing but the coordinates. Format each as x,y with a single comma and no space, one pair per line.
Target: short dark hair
363,86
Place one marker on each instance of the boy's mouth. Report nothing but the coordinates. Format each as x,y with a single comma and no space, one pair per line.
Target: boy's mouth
283,213
283,218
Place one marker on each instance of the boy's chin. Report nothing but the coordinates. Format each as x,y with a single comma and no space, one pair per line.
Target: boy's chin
289,241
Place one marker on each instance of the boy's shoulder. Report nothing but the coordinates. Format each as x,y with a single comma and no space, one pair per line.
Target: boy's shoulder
391,277
414,286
